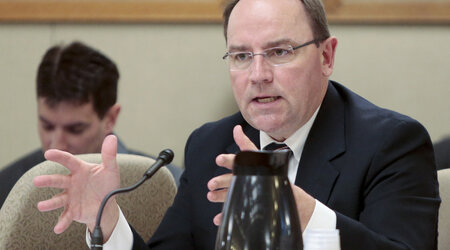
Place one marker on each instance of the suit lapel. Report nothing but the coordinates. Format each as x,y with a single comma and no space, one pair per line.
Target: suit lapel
326,140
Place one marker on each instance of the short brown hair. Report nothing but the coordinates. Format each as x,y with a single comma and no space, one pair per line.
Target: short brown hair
314,9
77,74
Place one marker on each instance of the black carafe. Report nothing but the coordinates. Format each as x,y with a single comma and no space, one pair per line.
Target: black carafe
260,211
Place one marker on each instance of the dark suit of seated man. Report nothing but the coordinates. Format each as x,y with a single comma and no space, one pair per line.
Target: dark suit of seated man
76,100
356,167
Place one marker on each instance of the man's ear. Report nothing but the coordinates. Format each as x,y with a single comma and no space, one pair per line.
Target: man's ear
329,50
111,117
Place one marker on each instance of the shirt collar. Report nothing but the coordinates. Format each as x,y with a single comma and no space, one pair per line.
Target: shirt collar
296,141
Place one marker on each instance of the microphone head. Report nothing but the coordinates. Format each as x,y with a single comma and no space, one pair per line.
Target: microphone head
166,155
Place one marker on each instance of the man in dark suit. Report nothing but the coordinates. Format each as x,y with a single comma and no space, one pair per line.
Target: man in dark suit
76,89
364,170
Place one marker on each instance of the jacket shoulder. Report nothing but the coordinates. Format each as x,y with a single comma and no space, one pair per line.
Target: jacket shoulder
26,162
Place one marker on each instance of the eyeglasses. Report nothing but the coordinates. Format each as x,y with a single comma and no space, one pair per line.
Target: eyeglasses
276,56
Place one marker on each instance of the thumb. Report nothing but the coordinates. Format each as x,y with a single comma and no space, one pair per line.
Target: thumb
242,140
109,151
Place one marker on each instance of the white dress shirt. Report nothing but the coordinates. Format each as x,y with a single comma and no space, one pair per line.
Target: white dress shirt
322,217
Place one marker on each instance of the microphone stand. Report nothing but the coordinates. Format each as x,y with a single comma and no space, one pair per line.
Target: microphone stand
164,158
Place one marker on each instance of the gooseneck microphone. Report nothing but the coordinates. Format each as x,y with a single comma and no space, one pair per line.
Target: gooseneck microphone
164,158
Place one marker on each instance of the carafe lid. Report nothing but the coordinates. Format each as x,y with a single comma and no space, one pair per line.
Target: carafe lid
261,162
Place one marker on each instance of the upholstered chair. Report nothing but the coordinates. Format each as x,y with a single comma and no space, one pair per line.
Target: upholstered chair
22,226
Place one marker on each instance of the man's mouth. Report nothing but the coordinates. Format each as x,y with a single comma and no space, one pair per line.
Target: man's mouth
266,99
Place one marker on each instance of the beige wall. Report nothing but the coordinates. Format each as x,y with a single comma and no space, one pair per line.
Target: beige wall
173,78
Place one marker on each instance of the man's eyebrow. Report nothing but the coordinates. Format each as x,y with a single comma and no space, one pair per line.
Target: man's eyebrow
267,45
238,48
76,124
66,126
280,42
45,120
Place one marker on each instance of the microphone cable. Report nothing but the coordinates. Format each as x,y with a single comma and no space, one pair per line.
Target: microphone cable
164,158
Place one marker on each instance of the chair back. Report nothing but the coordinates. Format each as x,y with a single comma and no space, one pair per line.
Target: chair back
444,210
22,226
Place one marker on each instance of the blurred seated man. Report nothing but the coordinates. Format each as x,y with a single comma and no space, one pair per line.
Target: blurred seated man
76,100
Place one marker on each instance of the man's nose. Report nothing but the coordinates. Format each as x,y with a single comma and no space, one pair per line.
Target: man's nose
261,70
59,140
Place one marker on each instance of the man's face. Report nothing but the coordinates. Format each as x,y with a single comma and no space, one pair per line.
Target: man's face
73,128
276,99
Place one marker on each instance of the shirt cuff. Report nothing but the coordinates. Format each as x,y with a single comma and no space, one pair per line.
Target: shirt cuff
121,237
322,218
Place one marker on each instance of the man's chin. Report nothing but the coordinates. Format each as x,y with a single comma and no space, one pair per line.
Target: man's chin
268,126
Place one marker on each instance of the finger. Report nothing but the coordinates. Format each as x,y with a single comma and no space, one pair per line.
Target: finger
219,182
63,222
217,195
57,201
217,219
242,140
109,151
225,160
64,158
54,181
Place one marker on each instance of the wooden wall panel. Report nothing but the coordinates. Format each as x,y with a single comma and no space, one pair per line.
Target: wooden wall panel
209,11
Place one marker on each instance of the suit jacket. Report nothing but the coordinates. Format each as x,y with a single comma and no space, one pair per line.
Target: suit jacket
12,173
375,168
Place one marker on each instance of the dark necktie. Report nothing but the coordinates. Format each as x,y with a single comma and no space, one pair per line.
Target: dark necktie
276,147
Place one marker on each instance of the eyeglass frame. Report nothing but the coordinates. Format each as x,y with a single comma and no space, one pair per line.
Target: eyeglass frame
264,53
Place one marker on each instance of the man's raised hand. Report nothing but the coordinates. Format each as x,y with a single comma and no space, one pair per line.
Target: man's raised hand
83,189
218,186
